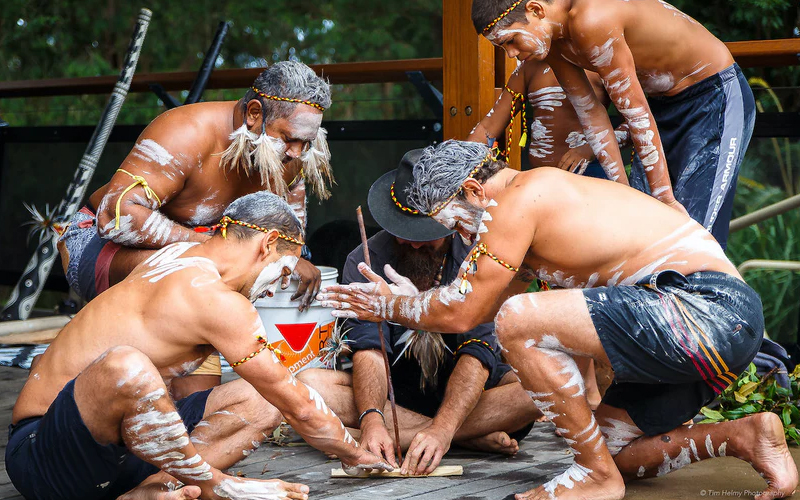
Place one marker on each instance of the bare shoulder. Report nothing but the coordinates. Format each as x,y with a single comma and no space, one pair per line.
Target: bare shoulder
536,186
188,129
593,21
228,316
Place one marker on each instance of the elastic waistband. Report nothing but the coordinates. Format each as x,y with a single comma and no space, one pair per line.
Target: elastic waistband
713,82
22,423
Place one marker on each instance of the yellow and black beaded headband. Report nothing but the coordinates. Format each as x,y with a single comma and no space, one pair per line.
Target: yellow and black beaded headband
501,16
223,226
400,205
489,157
286,99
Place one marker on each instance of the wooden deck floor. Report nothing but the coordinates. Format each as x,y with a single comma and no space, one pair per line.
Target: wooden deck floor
543,455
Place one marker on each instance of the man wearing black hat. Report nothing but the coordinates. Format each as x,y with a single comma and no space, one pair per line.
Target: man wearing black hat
451,388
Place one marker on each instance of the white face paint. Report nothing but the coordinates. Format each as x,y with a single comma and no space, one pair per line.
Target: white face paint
462,216
268,280
305,124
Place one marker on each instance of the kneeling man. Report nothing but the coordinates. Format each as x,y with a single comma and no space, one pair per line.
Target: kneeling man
95,419
438,380
648,291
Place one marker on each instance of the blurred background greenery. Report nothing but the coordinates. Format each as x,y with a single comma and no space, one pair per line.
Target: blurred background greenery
44,39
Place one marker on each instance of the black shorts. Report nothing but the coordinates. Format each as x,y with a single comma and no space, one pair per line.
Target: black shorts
55,456
675,342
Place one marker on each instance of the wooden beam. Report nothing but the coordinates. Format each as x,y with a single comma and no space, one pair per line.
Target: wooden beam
514,155
766,53
341,73
750,54
468,71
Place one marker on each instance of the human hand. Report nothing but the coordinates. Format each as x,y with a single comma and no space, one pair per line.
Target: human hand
363,301
375,438
309,280
426,451
365,463
576,159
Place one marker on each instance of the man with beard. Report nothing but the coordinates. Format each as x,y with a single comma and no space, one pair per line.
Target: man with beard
94,419
451,388
188,165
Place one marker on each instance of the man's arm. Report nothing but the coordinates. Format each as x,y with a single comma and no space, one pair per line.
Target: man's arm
593,116
461,395
496,121
447,309
370,389
235,335
129,212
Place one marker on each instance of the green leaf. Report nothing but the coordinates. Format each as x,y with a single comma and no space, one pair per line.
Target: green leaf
786,416
712,415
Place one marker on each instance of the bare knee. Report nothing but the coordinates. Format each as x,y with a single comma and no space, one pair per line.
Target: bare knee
126,368
511,315
315,377
254,409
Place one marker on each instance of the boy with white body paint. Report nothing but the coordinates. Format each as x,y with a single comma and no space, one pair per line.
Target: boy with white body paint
689,107
96,420
661,304
554,131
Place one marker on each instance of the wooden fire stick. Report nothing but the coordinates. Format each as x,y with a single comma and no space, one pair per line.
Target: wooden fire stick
398,451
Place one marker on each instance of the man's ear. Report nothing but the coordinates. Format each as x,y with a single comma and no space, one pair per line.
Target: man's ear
473,188
268,243
253,113
535,8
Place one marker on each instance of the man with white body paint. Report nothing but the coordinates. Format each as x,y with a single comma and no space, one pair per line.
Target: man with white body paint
187,166
95,419
689,107
554,132
647,290
449,389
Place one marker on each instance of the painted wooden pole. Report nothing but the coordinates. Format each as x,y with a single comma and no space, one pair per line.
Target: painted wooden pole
33,278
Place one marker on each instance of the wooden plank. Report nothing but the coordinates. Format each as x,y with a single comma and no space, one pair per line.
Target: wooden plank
339,73
514,154
40,337
468,71
766,53
441,471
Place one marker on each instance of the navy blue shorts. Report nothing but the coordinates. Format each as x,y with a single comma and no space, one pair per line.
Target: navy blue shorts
55,456
705,131
675,342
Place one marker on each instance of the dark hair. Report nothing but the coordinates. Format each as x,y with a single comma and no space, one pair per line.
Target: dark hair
484,12
292,80
267,210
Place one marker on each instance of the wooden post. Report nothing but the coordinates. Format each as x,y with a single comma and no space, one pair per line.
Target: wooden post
468,71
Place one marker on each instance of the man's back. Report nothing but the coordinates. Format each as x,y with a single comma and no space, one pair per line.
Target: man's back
581,232
139,312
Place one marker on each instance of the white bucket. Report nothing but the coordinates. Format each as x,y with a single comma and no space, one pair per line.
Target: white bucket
298,335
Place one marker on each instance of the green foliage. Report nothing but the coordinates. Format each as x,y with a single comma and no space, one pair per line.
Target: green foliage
41,39
752,394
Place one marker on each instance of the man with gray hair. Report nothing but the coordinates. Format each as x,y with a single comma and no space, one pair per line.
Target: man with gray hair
188,165
645,289
95,420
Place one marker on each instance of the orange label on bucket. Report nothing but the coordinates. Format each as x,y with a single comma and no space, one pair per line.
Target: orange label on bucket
302,342
297,335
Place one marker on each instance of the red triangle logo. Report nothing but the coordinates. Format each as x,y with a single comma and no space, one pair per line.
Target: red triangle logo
297,335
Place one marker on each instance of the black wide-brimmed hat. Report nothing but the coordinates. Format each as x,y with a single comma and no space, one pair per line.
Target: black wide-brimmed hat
388,204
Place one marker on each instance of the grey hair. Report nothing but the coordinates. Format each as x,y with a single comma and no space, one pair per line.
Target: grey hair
292,80
442,169
266,210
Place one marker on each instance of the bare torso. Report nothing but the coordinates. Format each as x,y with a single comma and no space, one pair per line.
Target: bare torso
593,233
554,127
159,318
648,26
179,154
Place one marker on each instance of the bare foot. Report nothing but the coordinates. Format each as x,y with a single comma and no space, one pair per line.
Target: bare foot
496,442
765,448
160,491
254,488
579,482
